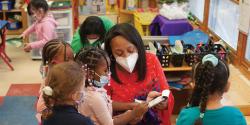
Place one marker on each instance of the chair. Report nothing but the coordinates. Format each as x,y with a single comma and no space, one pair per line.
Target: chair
3,55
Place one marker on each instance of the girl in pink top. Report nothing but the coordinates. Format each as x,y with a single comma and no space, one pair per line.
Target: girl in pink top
97,104
44,26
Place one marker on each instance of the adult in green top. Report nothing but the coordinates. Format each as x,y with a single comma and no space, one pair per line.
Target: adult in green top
205,108
91,32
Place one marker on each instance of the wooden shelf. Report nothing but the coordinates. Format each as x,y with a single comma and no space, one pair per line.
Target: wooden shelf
5,16
184,67
126,11
15,32
13,10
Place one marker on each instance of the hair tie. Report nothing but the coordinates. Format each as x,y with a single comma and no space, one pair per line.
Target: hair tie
202,115
47,90
211,58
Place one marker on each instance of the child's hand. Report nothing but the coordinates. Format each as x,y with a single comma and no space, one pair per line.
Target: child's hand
140,110
22,36
135,120
27,48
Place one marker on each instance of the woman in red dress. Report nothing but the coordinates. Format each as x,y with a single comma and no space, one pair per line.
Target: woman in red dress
135,74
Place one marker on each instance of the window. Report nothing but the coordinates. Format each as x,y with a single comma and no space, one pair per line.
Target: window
247,55
224,20
197,8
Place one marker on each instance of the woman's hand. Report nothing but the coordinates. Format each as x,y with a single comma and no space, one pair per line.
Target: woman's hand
161,106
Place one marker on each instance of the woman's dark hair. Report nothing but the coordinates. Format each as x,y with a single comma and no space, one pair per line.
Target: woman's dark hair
53,47
90,56
64,79
131,34
37,4
208,80
92,25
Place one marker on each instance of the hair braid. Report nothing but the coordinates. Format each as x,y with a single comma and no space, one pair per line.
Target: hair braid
90,56
204,78
51,48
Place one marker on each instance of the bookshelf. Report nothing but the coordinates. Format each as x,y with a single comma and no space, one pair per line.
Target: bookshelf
127,15
4,15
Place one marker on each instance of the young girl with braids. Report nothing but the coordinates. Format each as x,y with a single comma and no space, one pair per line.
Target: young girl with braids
97,104
54,52
62,94
205,108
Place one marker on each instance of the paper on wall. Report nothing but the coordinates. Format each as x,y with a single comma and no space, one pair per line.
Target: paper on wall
244,21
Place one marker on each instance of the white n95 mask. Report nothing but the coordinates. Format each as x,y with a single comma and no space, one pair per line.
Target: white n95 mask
91,41
129,62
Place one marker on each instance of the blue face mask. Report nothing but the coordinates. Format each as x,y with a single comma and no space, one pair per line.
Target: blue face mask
103,81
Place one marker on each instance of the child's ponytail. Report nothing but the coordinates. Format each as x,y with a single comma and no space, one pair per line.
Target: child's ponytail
206,80
210,76
49,102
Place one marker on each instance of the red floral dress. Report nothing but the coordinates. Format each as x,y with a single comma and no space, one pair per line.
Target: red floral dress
130,89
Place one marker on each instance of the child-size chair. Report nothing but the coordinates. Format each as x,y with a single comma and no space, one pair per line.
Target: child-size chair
3,55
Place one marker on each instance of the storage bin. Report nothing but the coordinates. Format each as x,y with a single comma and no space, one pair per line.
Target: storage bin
64,34
177,59
220,51
164,56
6,5
14,25
189,54
216,49
63,19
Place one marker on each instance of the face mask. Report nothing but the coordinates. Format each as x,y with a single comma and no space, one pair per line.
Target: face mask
103,81
45,71
81,98
91,41
129,62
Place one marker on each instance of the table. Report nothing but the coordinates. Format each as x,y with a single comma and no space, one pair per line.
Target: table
161,26
3,54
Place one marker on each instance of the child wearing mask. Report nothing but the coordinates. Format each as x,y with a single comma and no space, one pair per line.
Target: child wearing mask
91,32
97,104
44,27
62,94
54,52
205,108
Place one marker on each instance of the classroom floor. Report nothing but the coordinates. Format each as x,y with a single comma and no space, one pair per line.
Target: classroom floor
27,72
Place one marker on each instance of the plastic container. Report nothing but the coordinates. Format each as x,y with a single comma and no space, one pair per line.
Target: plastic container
6,5
63,19
64,34
177,59
189,54
216,49
164,56
14,25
